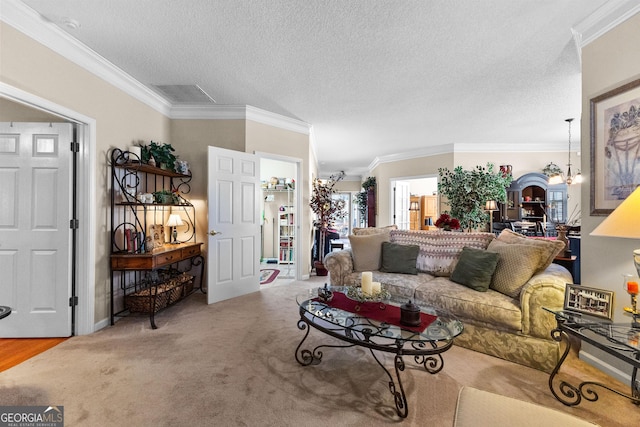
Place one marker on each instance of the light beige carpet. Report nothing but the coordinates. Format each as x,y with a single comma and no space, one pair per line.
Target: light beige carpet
232,364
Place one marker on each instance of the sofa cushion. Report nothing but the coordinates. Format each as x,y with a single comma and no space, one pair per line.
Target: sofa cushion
367,251
372,230
439,250
490,308
516,265
398,258
475,268
551,247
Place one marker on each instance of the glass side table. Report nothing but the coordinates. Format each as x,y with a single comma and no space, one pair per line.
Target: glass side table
617,339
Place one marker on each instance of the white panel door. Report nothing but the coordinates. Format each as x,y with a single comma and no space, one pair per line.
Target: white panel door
402,199
35,237
233,259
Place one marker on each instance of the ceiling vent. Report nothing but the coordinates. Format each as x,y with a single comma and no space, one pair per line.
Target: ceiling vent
184,94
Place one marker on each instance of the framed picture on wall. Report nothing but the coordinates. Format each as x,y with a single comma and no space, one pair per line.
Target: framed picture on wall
615,146
591,301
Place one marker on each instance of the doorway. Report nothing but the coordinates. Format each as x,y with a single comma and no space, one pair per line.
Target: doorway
279,218
414,202
18,105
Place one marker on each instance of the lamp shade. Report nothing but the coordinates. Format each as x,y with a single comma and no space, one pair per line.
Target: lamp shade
414,206
490,206
174,220
624,221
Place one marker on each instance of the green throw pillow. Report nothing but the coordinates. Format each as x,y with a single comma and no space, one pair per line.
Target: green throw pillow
475,268
398,258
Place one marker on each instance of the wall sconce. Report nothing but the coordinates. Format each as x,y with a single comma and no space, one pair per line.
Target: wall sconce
173,222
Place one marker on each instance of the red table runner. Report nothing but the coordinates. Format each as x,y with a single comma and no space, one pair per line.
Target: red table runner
390,314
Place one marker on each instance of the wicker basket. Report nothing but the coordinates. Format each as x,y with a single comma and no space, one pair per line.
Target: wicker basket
166,294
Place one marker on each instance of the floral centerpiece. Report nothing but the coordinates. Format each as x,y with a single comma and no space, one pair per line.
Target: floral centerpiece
446,222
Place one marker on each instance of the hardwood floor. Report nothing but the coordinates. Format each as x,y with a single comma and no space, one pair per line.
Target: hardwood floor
14,351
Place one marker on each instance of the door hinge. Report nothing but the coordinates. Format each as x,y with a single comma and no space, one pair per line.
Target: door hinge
74,224
75,147
73,301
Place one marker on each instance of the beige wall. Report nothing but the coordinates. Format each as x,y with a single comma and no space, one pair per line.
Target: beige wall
605,259
268,139
191,138
120,120
607,63
384,172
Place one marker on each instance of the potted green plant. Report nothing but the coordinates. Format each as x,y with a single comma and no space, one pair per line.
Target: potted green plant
166,197
161,153
327,210
468,191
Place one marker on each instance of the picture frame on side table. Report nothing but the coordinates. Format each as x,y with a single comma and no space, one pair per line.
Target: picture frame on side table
591,301
615,146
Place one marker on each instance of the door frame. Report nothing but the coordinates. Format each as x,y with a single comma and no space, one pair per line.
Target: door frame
86,199
298,210
392,182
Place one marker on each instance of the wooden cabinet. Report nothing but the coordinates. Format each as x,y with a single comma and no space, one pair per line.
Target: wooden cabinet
149,269
531,198
428,209
371,207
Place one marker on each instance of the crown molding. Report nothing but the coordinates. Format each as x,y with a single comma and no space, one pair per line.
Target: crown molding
605,18
238,112
468,147
424,152
31,23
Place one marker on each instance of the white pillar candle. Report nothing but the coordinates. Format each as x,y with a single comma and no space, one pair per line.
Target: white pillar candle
375,288
367,279
136,151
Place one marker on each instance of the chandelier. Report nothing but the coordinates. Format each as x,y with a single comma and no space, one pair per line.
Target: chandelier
556,176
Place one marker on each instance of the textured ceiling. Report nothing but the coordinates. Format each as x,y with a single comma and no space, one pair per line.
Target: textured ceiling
374,78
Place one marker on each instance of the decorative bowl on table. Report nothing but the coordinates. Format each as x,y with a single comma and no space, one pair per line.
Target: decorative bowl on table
355,293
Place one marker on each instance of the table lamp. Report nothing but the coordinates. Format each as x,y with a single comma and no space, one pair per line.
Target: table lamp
173,222
624,222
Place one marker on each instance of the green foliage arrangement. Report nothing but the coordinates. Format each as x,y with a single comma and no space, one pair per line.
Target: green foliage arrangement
361,201
162,154
368,183
468,191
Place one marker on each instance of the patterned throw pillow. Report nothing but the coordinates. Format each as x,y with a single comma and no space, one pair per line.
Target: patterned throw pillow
551,247
440,250
516,264
367,251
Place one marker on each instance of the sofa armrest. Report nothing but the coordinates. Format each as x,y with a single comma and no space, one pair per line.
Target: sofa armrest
339,264
545,289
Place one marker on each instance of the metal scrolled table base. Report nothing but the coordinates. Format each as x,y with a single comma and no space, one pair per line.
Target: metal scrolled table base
425,353
571,395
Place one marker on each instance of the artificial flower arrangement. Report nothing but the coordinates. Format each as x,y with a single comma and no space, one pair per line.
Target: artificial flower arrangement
445,221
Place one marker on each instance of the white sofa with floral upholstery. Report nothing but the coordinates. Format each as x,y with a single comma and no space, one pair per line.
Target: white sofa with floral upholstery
497,286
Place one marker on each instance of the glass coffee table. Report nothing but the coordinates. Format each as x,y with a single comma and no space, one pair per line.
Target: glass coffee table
375,325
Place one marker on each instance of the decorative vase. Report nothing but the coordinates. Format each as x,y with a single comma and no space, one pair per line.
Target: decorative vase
562,236
320,270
